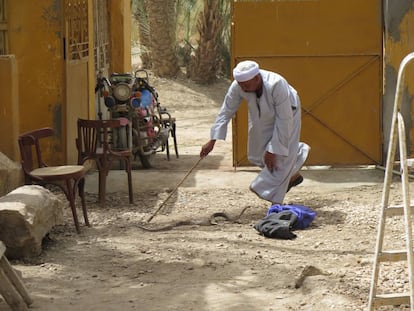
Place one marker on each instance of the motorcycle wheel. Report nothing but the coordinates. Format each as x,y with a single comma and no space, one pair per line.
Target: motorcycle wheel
146,160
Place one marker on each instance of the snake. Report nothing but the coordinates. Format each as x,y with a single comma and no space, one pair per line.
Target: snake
212,220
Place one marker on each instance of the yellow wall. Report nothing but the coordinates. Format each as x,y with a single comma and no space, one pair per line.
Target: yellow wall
120,32
33,82
35,39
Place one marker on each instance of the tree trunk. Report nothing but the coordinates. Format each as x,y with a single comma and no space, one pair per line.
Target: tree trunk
161,20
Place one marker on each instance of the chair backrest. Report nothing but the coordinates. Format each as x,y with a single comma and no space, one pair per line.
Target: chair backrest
30,151
94,138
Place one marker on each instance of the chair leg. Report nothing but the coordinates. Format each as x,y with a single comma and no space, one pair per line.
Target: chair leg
15,280
175,139
81,187
70,194
103,173
167,149
130,191
10,294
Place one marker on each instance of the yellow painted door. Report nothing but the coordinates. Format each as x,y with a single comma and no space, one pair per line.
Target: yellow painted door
77,104
77,59
331,52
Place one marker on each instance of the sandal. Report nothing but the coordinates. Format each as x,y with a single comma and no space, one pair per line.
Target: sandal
298,180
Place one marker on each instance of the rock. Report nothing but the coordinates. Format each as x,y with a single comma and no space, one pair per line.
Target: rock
307,271
27,214
11,175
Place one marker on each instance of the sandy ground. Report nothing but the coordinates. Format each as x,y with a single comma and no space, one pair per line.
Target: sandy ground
116,265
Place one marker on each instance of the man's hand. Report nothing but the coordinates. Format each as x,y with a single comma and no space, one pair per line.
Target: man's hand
207,148
270,161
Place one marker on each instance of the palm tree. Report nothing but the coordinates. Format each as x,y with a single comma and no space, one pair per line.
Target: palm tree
187,11
165,29
140,14
206,62
161,22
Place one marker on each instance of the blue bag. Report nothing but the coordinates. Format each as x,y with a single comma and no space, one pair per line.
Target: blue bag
305,215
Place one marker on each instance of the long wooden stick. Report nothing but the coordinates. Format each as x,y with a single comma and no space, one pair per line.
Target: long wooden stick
175,189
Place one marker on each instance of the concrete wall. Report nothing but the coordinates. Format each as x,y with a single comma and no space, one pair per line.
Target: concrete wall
399,41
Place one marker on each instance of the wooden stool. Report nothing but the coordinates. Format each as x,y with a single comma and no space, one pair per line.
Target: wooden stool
11,286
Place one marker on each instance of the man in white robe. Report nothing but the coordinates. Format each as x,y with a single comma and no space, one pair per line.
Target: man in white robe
273,132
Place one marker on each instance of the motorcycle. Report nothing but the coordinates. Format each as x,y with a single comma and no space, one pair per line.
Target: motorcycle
130,98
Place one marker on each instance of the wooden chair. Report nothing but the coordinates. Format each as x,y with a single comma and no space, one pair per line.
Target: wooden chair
94,143
11,286
36,171
169,123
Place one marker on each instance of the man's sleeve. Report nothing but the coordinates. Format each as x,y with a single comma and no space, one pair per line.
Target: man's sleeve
231,103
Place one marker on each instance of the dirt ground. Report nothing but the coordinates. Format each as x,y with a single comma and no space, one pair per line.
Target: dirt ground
116,265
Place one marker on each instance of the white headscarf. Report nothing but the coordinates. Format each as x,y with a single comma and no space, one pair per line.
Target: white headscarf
245,71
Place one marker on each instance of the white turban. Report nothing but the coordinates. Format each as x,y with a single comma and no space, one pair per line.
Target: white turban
245,70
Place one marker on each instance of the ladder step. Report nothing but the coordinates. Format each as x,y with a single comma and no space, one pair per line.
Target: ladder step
397,210
392,255
392,299
410,163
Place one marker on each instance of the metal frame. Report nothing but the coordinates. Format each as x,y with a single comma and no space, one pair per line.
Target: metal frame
397,133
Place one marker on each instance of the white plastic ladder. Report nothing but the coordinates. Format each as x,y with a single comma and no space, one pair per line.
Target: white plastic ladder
405,209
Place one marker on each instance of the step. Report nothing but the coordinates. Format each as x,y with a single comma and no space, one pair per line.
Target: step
392,299
397,210
392,255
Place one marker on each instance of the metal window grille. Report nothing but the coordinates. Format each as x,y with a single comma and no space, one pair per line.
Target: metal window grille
76,15
3,28
101,35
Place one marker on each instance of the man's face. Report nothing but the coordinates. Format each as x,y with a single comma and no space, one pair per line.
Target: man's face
251,85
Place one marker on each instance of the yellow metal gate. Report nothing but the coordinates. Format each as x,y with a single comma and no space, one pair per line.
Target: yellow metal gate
331,52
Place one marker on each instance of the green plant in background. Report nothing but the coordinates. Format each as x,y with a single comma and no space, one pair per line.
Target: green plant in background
162,26
187,12
140,14
205,64
192,34
225,65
